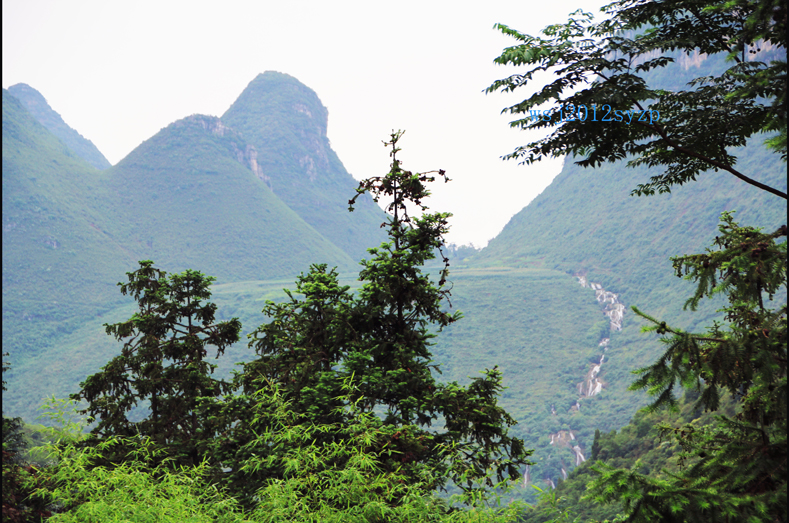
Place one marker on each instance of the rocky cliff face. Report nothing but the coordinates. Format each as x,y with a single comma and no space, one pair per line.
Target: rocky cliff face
245,153
315,142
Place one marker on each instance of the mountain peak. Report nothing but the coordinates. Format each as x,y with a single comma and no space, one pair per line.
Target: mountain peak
286,122
283,94
37,105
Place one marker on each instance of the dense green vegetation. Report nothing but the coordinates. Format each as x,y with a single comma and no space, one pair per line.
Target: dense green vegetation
524,310
333,418
578,224
735,466
640,443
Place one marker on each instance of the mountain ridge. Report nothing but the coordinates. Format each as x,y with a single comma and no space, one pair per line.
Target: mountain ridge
38,106
193,196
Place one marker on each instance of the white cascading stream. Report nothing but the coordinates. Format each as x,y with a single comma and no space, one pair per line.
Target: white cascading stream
592,384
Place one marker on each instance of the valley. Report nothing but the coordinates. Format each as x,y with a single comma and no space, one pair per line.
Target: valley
256,196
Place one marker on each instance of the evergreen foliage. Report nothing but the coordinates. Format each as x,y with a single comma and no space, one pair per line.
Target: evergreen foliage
326,435
640,445
737,467
163,360
378,340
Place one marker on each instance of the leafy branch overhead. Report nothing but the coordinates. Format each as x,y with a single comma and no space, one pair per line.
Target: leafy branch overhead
735,468
601,68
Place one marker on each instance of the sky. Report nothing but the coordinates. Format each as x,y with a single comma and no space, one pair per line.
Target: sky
118,72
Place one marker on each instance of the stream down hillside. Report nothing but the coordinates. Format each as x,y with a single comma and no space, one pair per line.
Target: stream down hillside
591,385
256,206
559,347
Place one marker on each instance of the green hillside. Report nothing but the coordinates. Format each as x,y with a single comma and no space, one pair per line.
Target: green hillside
190,197
187,198
586,224
58,265
640,440
77,144
286,122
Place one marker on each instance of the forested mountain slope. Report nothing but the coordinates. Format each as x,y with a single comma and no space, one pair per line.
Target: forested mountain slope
195,195
640,441
58,263
588,228
587,222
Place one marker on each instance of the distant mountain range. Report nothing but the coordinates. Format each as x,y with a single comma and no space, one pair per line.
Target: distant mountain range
255,196
199,194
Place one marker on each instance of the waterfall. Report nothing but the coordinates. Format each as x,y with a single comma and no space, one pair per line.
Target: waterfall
579,457
592,384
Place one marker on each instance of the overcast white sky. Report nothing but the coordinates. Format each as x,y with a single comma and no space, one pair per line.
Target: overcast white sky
118,72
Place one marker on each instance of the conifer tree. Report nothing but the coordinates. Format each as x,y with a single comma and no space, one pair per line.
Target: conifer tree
302,344
735,469
162,361
395,311
335,356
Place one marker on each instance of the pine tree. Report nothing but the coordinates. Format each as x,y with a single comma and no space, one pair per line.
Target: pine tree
735,469
303,343
395,310
336,357
162,361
